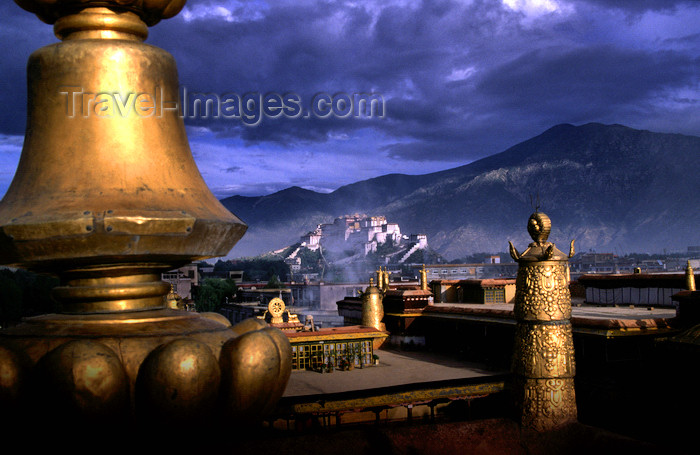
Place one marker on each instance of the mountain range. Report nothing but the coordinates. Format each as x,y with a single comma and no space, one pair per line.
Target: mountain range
610,187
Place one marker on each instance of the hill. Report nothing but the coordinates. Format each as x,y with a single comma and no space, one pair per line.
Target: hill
610,187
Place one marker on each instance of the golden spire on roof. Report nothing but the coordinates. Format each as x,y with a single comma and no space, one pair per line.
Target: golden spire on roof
689,277
423,278
543,359
539,226
372,307
173,300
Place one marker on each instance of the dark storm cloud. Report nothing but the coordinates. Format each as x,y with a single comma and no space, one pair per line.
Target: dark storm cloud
592,80
407,54
639,6
460,79
404,54
287,50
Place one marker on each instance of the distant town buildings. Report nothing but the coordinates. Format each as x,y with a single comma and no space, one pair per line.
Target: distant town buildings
493,269
183,280
316,299
587,263
486,291
646,289
604,279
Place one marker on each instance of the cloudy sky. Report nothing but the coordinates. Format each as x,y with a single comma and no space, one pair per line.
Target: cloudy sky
460,80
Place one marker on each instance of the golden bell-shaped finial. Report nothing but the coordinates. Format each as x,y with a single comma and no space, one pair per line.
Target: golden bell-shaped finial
107,196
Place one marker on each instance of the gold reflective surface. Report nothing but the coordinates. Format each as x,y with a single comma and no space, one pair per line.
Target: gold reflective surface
107,197
547,403
543,357
372,307
689,277
423,279
106,173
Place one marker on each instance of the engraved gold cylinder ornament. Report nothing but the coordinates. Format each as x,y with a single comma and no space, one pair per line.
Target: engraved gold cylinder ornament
544,361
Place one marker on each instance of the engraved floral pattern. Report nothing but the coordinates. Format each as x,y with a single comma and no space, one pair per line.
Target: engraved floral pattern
544,351
547,403
542,293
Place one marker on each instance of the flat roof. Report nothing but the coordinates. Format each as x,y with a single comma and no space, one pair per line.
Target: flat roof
484,282
617,280
418,369
335,333
583,317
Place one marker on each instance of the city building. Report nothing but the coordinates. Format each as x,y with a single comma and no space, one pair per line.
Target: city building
256,293
486,291
334,348
318,299
359,232
314,298
183,280
494,269
650,289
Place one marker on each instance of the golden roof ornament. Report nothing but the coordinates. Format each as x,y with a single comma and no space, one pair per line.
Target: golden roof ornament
543,359
539,227
173,300
372,307
372,288
689,277
91,205
276,309
380,278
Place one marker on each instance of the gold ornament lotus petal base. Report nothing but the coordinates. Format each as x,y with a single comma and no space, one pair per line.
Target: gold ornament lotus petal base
163,365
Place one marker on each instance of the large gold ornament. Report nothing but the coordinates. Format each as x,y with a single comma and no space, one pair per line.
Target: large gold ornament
180,377
543,359
276,309
82,378
372,307
106,197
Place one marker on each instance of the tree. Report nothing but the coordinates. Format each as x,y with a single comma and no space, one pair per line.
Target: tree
309,258
210,295
274,283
